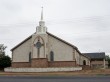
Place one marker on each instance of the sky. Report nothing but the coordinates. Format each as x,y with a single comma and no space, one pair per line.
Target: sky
83,23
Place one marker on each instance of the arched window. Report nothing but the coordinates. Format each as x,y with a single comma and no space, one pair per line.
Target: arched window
29,56
51,56
84,62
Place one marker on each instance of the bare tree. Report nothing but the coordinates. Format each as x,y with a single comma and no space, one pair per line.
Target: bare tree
2,49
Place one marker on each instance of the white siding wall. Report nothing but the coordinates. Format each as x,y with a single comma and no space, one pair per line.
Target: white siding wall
80,58
84,58
77,57
21,53
62,51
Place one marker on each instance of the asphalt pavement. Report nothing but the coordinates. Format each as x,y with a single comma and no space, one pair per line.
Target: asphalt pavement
54,79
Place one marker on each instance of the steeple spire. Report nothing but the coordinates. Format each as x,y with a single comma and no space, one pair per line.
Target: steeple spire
42,14
41,29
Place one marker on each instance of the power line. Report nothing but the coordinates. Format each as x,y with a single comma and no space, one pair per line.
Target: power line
64,21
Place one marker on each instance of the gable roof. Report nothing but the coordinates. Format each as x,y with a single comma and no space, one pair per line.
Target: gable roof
21,43
54,37
95,55
48,34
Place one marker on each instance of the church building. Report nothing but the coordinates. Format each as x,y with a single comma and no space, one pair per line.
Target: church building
43,49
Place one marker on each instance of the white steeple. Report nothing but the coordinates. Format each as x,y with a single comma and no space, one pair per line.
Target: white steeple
42,14
41,29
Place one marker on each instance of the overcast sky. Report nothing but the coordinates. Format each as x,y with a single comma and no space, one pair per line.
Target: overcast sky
84,23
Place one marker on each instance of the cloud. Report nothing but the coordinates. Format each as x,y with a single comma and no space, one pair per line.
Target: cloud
85,24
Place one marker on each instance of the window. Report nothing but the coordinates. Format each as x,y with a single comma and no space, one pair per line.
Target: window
29,56
51,56
84,62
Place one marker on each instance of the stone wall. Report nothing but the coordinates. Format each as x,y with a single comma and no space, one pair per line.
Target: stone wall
21,64
62,64
39,62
